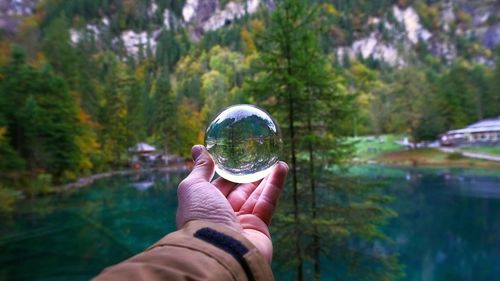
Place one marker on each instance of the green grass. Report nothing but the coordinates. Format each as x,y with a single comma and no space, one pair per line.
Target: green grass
491,150
432,157
370,147
383,149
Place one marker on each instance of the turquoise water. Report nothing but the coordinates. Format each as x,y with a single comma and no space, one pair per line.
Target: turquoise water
448,226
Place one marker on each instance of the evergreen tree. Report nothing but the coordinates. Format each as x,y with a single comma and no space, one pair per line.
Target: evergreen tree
168,50
493,100
41,116
412,94
114,134
60,125
57,48
165,124
457,98
9,159
311,102
190,127
30,116
282,62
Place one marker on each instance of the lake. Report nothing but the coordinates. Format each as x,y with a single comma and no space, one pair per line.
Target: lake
447,228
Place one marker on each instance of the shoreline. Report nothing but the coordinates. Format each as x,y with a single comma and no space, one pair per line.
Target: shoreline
423,157
433,166
429,157
88,180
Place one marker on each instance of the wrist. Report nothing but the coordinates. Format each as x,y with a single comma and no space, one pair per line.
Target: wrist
237,244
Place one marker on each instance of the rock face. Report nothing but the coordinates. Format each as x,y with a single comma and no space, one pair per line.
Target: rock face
491,37
372,46
12,11
134,42
202,16
409,31
402,28
410,20
197,16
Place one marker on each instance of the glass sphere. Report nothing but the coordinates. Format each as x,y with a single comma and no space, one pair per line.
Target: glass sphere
244,142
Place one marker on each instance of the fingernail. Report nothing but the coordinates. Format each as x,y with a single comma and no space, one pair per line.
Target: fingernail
284,165
196,151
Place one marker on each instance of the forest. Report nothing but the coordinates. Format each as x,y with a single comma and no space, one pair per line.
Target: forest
71,109
73,100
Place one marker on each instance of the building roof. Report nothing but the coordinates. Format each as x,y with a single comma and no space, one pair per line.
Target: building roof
485,125
142,147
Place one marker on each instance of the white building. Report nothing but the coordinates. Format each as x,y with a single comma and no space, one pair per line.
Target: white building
484,132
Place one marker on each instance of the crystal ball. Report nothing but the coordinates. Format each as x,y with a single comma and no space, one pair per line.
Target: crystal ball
244,142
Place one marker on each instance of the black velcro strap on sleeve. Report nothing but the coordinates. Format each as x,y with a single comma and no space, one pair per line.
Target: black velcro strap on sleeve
228,244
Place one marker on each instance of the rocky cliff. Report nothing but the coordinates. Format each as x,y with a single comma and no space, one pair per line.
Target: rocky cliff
387,37
12,13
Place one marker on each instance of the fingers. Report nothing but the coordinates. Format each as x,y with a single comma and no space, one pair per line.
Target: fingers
268,199
203,169
240,195
249,204
224,185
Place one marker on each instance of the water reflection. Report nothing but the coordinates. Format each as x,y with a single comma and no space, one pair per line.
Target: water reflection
142,182
448,225
447,228
80,232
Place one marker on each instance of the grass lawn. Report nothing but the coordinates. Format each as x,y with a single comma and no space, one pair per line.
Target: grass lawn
370,147
490,150
384,149
432,157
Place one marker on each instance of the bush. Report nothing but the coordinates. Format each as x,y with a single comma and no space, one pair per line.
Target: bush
42,184
429,14
7,199
455,156
68,176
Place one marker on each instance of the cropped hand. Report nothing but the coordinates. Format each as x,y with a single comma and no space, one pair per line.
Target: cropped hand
246,208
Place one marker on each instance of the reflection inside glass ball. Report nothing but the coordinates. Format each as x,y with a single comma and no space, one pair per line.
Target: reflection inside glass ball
244,142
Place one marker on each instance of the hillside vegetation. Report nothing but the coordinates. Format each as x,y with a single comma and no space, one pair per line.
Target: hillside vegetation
81,81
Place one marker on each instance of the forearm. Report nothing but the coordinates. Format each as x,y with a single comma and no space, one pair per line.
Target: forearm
199,251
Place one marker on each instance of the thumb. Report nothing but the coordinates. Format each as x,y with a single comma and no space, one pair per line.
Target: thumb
204,167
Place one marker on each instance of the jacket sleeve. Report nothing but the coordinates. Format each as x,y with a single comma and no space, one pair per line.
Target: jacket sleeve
199,251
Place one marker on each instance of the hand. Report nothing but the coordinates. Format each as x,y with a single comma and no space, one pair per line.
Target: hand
246,208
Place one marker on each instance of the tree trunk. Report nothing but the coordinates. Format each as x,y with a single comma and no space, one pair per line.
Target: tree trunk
290,90
312,183
294,186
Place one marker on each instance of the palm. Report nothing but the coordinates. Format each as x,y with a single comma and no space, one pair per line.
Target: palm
246,208
253,204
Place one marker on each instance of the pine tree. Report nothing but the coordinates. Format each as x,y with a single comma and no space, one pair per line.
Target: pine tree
41,116
310,100
191,127
168,50
282,62
60,125
57,48
165,115
9,158
30,116
113,117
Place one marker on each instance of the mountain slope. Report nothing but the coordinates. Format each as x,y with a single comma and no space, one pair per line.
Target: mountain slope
445,29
